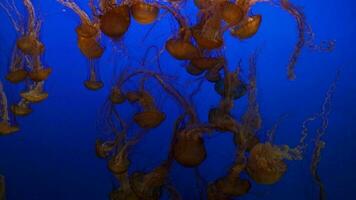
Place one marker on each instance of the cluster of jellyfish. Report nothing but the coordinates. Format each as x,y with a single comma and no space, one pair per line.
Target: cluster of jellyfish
201,47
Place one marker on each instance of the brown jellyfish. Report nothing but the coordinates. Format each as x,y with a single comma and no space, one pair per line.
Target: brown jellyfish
144,13
233,186
189,149
120,162
247,28
232,13
115,21
148,185
104,148
208,33
6,127
181,46
17,72
117,96
22,108
150,117
207,63
38,72
192,70
93,82
265,164
35,93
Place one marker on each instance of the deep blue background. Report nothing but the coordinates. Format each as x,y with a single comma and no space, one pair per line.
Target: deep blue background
53,156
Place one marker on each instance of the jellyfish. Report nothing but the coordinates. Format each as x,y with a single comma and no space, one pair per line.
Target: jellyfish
149,185
144,13
38,73
104,148
117,96
232,13
207,32
22,108
6,127
247,28
93,82
17,72
181,46
35,93
2,187
236,87
120,162
115,21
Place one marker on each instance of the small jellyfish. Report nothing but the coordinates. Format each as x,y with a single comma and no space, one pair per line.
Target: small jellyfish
232,13
93,82
17,72
144,13
120,162
115,22
266,164
207,63
6,127
223,120
22,108
207,32
189,149
35,93
38,72
117,96
238,87
150,116
149,185
104,148
247,28
181,46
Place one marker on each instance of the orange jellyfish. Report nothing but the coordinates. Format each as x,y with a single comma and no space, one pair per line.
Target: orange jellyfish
247,28
93,82
17,72
22,108
181,46
207,32
115,20
35,93
144,13
6,127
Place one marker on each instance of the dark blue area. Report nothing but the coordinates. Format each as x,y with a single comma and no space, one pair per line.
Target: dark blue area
53,156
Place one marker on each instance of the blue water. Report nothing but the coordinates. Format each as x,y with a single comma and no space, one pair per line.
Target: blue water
53,156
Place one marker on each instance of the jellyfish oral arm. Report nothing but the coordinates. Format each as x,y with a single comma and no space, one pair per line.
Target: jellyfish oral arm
4,105
73,6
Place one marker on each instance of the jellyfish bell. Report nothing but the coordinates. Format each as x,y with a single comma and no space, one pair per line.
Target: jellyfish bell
265,164
90,47
86,30
232,13
103,148
117,96
119,163
30,45
249,140
239,89
6,128
181,50
192,70
21,109
213,75
144,13
189,149
149,119
207,63
34,96
132,96
148,185
93,84
39,75
115,22
248,28
233,186
16,76
207,40
223,121
123,193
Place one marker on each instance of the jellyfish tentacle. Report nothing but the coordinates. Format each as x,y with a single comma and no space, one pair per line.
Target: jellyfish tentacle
73,6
